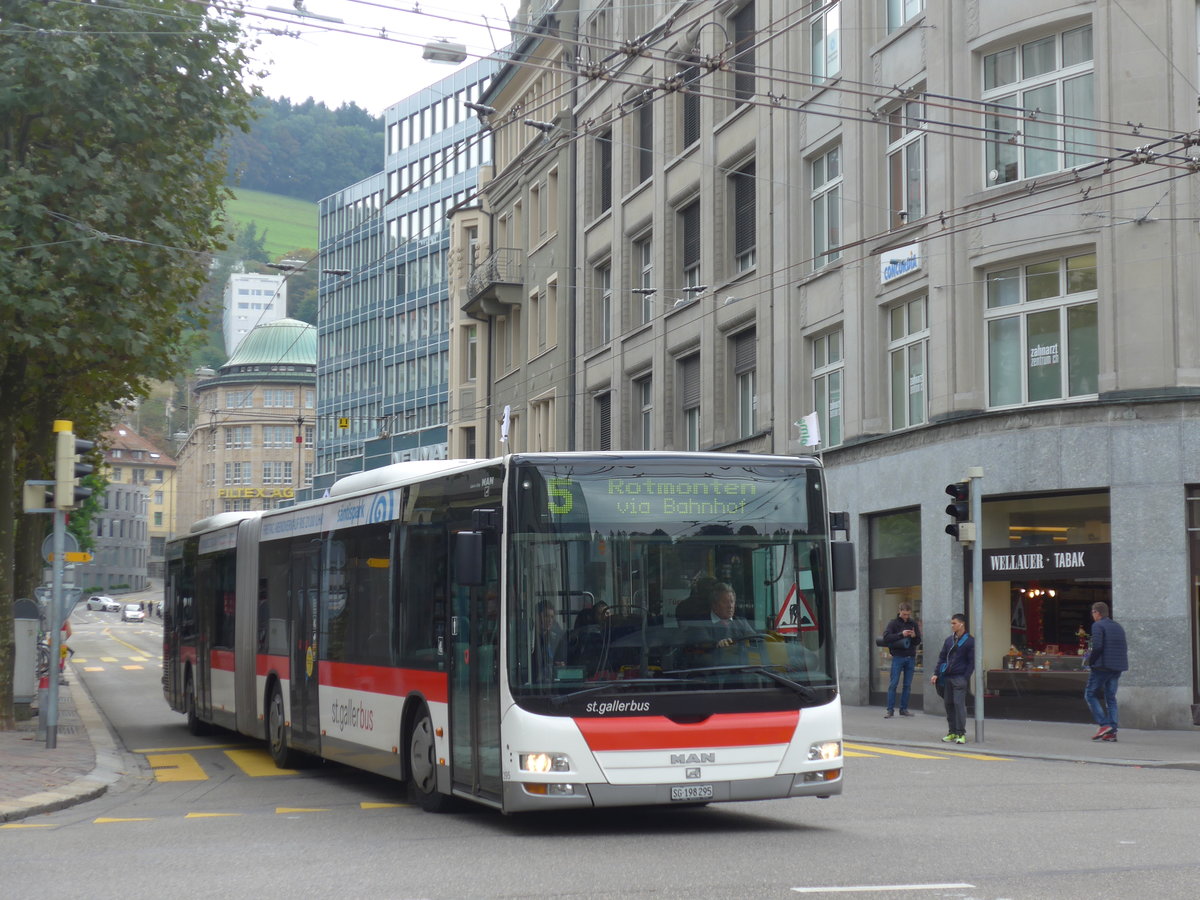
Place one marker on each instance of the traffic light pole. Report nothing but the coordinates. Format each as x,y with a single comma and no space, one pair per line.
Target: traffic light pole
975,474
55,625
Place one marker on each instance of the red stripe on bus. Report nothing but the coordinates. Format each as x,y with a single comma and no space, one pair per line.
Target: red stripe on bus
660,733
221,659
385,680
264,664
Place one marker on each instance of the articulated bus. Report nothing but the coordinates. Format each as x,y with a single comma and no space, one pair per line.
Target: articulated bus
533,632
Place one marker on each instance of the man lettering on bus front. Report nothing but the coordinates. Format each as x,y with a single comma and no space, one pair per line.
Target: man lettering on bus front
1107,659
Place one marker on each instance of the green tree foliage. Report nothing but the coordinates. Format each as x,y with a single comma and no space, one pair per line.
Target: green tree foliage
110,200
305,150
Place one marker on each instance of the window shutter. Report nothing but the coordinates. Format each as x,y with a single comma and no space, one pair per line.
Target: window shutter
689,382
745,351
691,233
604,422
744,197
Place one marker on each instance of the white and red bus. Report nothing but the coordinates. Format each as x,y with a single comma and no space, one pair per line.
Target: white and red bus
530,632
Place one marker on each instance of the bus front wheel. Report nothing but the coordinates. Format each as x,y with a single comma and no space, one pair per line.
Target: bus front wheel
422,765
285,757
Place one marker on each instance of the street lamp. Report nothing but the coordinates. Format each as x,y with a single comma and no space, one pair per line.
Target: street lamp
443,50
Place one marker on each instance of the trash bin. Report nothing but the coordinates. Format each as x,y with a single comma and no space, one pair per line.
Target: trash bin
25,632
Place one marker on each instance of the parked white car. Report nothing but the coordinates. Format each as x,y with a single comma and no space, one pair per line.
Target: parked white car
105,604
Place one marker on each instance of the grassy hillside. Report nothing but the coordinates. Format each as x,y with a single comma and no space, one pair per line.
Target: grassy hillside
289,224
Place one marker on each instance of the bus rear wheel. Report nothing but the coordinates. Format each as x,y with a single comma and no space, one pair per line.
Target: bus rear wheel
285,757
195,725
422,765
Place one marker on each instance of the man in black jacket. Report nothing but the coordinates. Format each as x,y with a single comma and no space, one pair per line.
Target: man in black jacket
1107,659
902,636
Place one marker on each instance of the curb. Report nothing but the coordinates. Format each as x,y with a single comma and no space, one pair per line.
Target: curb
106,771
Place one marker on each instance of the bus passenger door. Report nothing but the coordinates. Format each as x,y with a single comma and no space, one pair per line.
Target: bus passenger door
475,685
305,649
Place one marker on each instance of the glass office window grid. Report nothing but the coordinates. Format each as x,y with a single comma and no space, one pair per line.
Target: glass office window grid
908,350
1042,337
826,171
1042,92
825,40
901,12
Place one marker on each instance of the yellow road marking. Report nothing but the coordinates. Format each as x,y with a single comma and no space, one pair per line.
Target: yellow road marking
78,660
983,756
137,659
108,659
175,767
280,810
110,821
93,668
888,752
209,815
862,755
256,763
28,825
365,805
184,749
136,669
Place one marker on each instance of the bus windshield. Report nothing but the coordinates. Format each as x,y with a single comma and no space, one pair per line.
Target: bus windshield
642,575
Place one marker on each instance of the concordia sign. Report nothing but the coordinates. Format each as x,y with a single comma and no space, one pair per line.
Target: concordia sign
899,261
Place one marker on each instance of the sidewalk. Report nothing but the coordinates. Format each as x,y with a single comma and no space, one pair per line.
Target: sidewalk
1066,741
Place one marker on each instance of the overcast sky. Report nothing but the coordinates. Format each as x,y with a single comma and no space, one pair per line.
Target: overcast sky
351,62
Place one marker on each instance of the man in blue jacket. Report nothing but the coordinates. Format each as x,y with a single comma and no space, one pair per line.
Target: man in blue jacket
1107,659
902,636
955,665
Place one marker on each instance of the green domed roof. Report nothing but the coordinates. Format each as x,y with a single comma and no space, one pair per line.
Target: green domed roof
282,342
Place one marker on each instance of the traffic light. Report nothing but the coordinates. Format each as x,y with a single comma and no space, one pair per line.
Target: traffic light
68,494
961,529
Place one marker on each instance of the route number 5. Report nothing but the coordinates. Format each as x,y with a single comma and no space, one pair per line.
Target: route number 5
561,500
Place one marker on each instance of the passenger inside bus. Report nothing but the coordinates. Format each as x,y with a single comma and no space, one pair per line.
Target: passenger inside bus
591,638
548,644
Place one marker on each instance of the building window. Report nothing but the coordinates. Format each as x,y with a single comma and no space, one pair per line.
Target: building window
239,399
908,342
137,476
826,207
604,303
689,245
745,236
825,39
278,437
603,413
744,39
471,354
689,105
827,386
604,172
689,400
643,279
277,399
901,12
309,436
744,347
237,473
276,472
158,519
645,141
158,498
238,437
906,163
643,391
541,424
1036,94
1041,331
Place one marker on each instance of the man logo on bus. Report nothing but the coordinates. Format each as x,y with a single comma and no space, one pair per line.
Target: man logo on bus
691,759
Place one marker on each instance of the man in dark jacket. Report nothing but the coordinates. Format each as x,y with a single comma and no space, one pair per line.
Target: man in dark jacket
902,636
955,665
1107,659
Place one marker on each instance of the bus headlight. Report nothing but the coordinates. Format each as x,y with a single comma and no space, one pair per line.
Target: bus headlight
825,750
545,762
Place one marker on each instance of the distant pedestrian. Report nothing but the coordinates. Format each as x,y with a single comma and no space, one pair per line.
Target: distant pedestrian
1107,659
902,636
955,664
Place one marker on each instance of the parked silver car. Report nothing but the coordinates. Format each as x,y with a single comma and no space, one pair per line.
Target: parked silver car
132,613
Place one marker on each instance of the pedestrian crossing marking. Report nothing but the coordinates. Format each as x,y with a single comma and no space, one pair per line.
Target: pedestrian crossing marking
282,810
103,821
888,752
175,767
256,763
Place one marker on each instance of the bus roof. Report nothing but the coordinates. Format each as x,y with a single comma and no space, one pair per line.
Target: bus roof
221,520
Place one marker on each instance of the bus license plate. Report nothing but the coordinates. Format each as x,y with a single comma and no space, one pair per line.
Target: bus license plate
692,792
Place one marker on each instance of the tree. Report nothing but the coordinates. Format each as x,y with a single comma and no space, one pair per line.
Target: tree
110,200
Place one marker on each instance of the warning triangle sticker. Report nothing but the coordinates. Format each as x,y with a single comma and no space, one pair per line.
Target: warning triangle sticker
795,615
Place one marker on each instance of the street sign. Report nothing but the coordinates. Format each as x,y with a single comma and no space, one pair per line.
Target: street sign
70,545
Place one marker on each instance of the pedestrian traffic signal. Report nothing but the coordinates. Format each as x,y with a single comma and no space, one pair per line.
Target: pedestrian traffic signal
961,529
68,493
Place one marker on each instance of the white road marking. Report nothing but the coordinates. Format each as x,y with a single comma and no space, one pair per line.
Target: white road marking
866,888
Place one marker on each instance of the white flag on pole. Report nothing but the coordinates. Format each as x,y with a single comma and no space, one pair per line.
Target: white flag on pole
504,424
810,430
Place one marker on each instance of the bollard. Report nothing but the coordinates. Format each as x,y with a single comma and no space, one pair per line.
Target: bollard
43,694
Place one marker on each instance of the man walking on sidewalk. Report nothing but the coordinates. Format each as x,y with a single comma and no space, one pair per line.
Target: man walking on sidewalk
1107,659
902,636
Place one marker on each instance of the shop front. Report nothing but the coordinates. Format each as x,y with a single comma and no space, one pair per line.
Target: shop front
1046,560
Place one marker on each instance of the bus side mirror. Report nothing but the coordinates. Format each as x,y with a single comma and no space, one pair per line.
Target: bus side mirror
845,572
468,558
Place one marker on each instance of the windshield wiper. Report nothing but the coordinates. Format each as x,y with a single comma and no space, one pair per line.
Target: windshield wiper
806,693
610,685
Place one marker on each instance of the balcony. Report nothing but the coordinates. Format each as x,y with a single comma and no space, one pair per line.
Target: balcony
496,283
